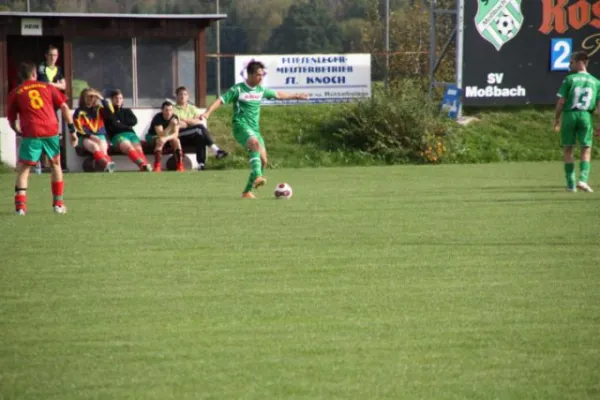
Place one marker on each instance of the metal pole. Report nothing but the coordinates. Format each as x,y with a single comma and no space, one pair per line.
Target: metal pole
432,56
387,43
218,53
28,6
460,20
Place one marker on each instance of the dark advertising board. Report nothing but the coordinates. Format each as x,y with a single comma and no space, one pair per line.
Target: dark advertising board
517,51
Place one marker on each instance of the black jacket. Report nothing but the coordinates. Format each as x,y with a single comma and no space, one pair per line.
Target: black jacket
119,120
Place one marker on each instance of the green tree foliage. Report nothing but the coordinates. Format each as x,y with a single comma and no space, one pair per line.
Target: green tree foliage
351,34
307,27
409,42
255,20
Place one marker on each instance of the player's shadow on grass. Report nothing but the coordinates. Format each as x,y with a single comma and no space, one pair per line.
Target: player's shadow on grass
458,202
44,211
152,198
525,189
555,200
7,213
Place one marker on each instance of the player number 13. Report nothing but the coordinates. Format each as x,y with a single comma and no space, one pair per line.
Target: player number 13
583,98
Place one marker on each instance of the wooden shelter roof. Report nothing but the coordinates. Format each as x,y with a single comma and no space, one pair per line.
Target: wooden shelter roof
22,14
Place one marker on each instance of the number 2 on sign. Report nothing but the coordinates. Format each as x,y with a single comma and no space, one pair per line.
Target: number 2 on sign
560,52
35,99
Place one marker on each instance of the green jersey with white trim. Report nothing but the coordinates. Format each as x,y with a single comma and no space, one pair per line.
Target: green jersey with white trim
580,91
246,103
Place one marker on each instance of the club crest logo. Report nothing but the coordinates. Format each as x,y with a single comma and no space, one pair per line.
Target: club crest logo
498,21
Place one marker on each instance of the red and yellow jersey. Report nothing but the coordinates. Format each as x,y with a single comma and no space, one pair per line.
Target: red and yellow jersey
35,104
90,121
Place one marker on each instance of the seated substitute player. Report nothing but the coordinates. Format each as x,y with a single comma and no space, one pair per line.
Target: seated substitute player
578,97
246,98
193,130
119,124
89,122
164,128
35,104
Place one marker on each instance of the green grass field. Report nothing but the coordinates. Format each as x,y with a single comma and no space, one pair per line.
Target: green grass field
415,282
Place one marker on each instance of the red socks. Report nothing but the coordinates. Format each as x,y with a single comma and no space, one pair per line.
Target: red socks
101,156
58,189
20,202
98,155
135,157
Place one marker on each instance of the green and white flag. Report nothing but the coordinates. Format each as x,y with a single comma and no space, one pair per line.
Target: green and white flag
498,21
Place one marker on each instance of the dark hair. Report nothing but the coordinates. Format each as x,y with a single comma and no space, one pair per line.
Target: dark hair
50,48
165,104
580,56
26,70
116,92
82,97
180,89
254,66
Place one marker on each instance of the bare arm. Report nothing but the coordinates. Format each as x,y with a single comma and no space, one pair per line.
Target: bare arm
216,104
194,121
560,104
66,112
97,94
291,96
159,130
61,84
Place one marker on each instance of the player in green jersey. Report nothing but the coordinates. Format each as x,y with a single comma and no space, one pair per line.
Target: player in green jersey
246,98
577,100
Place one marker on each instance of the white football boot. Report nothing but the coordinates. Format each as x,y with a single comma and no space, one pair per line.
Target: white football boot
60,209
584,187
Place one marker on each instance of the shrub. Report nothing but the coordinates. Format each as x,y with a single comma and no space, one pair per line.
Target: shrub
398,126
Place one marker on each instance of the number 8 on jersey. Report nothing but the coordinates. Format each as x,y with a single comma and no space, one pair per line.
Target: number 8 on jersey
35,100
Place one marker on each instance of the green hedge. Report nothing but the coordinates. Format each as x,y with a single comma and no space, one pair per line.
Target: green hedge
394,128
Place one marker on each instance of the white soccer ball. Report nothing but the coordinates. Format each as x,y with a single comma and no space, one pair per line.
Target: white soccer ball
283,191
505,24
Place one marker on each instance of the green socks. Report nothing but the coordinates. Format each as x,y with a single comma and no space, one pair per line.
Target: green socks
584,173
570,174
256,170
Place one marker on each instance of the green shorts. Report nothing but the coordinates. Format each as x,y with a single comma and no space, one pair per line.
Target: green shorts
121,137
242,133
150,138
577,126
31,149
80,141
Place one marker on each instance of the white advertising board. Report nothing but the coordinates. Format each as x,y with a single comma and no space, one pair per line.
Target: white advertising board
326,78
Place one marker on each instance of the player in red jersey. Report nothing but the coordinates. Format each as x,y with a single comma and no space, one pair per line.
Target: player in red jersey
35,103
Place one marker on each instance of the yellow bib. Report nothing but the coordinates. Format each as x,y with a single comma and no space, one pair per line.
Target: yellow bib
51,73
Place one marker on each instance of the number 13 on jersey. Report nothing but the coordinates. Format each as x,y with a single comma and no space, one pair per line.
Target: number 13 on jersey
560,54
